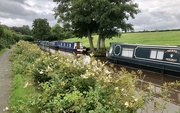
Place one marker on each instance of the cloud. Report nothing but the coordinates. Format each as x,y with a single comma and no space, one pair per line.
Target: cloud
14,22
19,1
157,14
20,12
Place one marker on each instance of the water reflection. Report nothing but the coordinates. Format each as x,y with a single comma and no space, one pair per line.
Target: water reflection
156,78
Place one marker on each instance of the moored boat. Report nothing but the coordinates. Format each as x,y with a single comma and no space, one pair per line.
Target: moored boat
162,59
71,47
44,45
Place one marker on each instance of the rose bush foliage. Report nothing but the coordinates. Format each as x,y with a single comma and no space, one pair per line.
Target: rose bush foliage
69,84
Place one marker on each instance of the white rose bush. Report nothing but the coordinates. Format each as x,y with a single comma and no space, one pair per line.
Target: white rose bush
70,84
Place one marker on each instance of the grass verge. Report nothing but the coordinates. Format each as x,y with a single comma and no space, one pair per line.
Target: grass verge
2,51
22,93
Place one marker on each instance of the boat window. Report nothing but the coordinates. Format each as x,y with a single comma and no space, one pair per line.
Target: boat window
127,52
117,49
153,54
160,55
157,54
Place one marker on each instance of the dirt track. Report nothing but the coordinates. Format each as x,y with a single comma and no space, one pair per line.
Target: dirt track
5,79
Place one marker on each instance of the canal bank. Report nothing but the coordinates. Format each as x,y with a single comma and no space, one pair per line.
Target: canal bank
158,80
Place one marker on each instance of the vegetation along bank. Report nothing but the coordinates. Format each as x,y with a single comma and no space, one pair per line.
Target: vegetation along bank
57,83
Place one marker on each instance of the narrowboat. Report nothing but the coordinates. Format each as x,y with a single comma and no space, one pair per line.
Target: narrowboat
72,47
44,45
53,46
158,58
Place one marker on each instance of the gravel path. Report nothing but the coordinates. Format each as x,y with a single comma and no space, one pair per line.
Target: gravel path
5,79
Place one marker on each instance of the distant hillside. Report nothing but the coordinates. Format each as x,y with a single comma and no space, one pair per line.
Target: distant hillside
152,38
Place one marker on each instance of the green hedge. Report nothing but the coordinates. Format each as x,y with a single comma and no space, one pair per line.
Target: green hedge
7,37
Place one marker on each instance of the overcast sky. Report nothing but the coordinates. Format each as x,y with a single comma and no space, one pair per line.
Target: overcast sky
155,14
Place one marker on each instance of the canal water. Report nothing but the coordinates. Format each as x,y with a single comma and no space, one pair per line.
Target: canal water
157,79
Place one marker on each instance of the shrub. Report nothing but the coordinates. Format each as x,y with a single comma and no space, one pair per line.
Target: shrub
7,37
23,91
100,53
93,88
70,84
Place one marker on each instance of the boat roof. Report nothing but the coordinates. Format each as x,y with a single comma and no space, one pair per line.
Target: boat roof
144,45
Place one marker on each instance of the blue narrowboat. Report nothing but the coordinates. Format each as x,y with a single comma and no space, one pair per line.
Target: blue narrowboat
72,47
161,59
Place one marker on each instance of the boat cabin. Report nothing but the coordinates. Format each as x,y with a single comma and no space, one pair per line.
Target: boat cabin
43,44
72,47
164,58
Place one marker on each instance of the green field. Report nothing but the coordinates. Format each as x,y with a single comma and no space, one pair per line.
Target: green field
152,38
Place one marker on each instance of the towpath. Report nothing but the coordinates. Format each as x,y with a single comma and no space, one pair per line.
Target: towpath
5,79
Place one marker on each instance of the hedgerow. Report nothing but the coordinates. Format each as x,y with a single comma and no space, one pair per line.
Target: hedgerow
67,84
7,37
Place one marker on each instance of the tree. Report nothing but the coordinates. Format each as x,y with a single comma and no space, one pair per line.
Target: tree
60,33
1,31
56,32
25,30
41,29
103,17
112,16
80,14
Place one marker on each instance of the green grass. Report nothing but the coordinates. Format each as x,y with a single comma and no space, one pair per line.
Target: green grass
157,38
22,92
2,51
152,38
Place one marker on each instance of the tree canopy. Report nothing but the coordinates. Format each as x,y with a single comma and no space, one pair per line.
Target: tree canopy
1,31
56,32
41,29
25,30
7,37
104,17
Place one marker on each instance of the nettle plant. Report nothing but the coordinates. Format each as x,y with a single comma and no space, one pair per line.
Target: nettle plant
83,84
